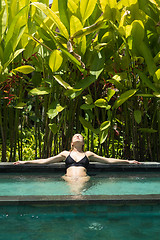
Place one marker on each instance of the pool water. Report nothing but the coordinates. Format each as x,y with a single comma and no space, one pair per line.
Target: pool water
121,183
80,222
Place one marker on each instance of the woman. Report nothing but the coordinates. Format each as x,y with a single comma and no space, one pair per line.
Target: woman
77,162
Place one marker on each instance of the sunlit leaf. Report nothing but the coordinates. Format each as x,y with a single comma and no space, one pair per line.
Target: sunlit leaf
86,8
103,135
54,109
55,60
102,103
26,69
20,105
40,91
53,16
105,125
124,97
61,82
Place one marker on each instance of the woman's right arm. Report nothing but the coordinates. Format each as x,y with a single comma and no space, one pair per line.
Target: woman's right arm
58,158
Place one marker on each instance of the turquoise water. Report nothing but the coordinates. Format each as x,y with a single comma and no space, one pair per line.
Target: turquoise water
81,222
99,184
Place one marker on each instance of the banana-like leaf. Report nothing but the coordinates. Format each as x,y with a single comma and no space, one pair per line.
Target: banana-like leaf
15,32
76,25
63,13
83,84
102,103
40,91
87,8
147,130
26,69
105,125
103,135
54,109
87,30
88,125
110,93
156,77
124,97
55,60
146,80
73,7
97,64
53,127
3,17
138,116
63,83
49,13
12,57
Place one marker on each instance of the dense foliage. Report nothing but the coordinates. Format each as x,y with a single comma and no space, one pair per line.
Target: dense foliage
89,66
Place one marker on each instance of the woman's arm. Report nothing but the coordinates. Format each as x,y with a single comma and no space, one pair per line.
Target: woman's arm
94,157
58,158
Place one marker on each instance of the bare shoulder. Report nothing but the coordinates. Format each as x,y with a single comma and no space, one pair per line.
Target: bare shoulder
89,154
64,153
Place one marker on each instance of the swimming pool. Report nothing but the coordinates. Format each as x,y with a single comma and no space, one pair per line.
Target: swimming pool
15,184
117,203
82,221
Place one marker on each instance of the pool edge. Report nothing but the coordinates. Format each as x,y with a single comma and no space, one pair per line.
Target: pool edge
80,199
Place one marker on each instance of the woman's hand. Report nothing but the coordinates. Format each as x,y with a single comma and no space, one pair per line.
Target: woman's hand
133,162
19,162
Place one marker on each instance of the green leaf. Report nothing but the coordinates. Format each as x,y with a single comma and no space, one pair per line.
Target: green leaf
40,91
146,80
20,105
53,128
49,13
76,25
97,64
147,130
62,83
110,93
87,8
55,60
54,109
88,125
156,94
124,97
138,116
103,135
87,106
146,53
156,76
102,103
26,69
105,125
72,6
87,30
88,99
63,13
82,84
137,31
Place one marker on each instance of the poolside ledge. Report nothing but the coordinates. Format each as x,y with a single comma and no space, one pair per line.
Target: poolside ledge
94,166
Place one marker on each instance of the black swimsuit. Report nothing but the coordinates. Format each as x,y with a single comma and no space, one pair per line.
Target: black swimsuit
70,162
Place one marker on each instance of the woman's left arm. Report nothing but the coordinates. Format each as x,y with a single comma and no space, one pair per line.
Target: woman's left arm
96,158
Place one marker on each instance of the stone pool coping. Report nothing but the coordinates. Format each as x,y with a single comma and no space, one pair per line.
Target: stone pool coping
48,200
94,166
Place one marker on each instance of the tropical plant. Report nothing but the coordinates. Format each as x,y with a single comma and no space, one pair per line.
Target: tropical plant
97,66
